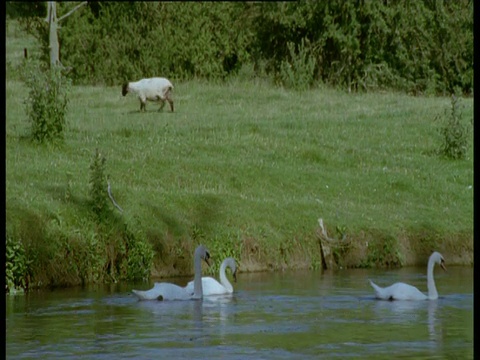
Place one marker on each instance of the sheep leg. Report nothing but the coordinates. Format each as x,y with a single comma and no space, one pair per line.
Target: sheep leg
162,104
170,101
168,97
143,106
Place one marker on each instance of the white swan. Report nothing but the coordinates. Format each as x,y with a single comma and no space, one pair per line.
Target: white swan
402,291
168,291
212,286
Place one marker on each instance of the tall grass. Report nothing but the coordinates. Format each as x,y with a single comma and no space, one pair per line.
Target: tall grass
245,164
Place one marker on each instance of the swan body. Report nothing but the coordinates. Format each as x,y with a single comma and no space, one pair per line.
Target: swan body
402,291
212,287
168,291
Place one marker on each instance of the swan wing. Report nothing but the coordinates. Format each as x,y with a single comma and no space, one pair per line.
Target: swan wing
164,291
398,291
210,287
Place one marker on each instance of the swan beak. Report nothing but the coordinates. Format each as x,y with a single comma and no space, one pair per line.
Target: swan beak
442,265
235,276
207,256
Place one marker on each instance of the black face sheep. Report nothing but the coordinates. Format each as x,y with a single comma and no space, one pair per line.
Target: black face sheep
153,89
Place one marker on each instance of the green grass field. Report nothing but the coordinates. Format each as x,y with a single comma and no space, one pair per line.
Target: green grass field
247,160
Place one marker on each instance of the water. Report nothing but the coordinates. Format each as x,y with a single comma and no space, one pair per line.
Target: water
304,314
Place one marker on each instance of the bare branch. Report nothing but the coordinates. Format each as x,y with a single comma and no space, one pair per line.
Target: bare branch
111,197
71,11
323,233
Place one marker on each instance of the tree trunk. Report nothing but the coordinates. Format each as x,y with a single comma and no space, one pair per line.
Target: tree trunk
53,36
53,29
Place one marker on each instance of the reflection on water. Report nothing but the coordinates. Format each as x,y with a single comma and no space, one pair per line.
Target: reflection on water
304,315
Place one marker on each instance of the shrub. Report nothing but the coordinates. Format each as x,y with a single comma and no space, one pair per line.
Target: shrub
16,266
454,132
46,104
298,71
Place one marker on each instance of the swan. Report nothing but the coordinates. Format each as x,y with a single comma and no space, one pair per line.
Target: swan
168,291
402,291
213,287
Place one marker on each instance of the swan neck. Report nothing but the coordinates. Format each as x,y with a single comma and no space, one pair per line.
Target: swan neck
197,279
223,277
432,289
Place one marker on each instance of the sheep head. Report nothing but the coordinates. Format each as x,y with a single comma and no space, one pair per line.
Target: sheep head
125,88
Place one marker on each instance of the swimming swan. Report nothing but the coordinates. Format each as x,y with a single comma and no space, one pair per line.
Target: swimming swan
213,287
402,291
168,291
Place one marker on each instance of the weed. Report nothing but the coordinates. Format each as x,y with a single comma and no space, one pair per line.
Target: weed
46,104
454,132
298,72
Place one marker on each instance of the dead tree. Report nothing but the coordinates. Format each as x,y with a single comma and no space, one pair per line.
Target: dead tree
53,23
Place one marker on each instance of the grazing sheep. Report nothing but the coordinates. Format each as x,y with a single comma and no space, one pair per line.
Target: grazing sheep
153,89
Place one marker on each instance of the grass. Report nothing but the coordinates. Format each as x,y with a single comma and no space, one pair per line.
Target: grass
247,160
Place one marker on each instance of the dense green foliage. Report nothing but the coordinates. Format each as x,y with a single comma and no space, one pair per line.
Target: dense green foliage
422,47
47,101
16,266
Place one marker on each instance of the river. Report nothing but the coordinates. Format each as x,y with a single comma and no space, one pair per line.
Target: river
283,315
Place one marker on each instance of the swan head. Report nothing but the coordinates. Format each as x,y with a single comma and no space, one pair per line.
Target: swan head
235,274
204,254
232,264
438,259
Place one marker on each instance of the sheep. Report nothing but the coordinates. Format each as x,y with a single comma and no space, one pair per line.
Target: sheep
153,89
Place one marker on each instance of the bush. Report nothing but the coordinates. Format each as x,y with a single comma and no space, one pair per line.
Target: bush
47,101
16,266
454,132
298,71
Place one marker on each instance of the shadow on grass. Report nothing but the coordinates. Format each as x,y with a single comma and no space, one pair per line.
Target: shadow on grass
61,194
138,112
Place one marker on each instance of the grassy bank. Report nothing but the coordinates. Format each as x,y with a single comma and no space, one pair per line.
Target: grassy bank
247,169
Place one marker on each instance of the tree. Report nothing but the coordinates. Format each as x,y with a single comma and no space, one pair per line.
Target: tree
53,22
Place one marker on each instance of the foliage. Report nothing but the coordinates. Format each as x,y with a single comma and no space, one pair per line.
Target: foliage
221,248
421,47
129,41
454,132
16,266
128,255
382,250
47,101
24,9
137,256
298,71
371,44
